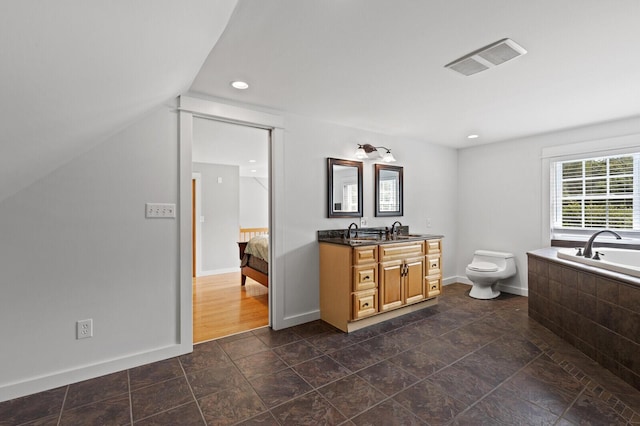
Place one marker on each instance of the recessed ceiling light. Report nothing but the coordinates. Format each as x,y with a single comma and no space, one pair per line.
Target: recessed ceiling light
253,170
473,136
240,85
252,161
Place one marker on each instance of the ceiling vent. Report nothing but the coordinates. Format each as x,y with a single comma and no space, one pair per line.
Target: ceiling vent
487,57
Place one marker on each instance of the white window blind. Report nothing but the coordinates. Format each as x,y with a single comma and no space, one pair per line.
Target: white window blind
350,197
388,195
595,193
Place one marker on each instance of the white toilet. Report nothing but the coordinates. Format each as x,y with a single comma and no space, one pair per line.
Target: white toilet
486,269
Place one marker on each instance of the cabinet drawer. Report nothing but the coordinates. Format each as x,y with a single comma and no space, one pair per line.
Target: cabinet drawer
365,303
368,254
401,250
433,264
433,246
433,285
365,277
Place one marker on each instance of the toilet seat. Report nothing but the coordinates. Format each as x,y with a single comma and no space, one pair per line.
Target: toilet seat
483,267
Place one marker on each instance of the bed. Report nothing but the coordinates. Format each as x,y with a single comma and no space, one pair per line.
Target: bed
254,259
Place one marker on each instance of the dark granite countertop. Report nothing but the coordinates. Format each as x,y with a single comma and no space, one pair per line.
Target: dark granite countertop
372,236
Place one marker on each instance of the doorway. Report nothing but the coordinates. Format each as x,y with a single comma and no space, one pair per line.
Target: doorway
230,192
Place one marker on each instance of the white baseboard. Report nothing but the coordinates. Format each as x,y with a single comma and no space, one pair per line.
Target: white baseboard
300,319
217,272
63,378
519,291
453,280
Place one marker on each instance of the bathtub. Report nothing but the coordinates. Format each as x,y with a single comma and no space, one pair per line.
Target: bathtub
624,261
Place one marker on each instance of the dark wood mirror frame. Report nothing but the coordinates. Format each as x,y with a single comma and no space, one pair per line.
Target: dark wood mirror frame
332,210
380,212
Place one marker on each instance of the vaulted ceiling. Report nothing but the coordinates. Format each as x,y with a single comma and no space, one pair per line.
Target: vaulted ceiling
75,71
379,64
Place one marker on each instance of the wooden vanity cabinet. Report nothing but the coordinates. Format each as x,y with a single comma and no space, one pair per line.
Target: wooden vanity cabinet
360,286
401,274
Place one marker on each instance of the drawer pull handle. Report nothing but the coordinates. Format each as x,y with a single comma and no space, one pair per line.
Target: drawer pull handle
367,277
433,265
365,305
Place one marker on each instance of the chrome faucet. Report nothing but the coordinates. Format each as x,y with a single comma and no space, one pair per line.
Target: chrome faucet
394,230
587,249
347,233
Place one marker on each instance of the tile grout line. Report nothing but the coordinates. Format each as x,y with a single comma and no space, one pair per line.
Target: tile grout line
500,384
184,372
130,398
64,400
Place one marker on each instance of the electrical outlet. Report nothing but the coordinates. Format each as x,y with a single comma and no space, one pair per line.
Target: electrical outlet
363,221
428,222
84,329
160,210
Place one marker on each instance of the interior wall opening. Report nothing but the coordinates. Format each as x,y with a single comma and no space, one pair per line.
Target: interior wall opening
231,190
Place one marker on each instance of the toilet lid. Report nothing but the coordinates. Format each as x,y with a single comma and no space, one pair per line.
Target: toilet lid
483,267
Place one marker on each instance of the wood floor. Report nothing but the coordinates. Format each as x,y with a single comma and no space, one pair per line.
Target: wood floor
221,306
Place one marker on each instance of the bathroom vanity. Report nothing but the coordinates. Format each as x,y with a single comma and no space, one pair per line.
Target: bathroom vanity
366,280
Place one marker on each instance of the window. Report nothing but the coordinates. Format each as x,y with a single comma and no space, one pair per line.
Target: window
595,193
388,195
350,197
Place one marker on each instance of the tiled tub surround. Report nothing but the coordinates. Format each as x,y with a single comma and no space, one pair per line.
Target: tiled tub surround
462,362
597,311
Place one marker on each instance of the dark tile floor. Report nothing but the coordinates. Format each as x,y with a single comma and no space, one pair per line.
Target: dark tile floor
462,362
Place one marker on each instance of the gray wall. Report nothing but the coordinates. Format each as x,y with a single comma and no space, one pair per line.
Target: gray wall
76,245
220,206
501,194
254,202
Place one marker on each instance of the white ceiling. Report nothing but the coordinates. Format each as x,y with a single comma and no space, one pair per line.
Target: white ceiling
378,64
73,72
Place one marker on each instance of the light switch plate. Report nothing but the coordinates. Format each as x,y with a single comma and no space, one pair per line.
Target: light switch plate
160,210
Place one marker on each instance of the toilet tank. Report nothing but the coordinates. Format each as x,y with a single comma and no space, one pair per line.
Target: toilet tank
498,258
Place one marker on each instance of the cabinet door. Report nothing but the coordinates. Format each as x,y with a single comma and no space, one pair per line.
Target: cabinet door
391,288
414,280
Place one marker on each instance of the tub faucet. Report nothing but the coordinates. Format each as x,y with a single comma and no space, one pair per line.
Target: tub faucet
347,233
394,230
587,248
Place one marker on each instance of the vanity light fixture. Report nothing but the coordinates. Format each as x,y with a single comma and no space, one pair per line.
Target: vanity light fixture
240,85
473,136
252,161
365,150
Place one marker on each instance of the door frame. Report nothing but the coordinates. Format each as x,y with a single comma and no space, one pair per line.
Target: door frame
187,109
196,226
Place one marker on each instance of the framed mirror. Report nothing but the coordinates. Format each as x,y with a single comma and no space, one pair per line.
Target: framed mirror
345,188
388,190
